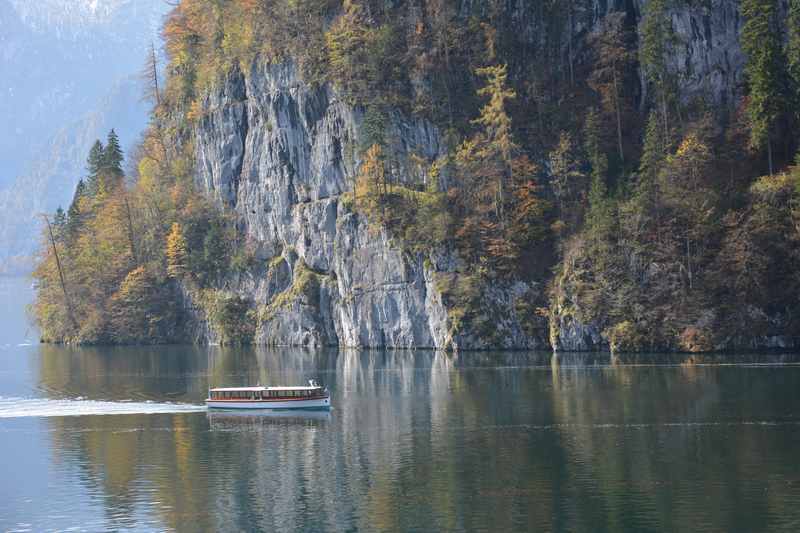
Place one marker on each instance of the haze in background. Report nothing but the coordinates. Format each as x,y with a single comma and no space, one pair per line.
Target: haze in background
68,73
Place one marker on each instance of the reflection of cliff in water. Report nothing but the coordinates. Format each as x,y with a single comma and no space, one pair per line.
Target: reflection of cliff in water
251,365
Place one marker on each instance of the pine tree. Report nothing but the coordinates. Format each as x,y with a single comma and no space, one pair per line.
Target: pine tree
765,70
593,146
793,53
568,180
94,166
74,215
614,61
599,217
657,36
59,218
112,155
654,150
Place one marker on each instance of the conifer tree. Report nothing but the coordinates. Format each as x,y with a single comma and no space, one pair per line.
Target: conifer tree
653,152
59,218
657,35
765,70
593,146
568,179
599,215
94,167
112,156
793,53
74,217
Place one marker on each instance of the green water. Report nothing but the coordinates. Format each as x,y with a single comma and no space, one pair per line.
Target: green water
100,439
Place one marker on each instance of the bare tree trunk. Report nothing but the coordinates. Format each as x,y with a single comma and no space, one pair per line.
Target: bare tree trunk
67,301
447,82
569,40
130,231
688,260
619,117
154,73
769,153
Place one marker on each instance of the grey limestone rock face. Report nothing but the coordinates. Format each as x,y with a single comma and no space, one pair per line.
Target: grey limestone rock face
705,55
281,155
568,334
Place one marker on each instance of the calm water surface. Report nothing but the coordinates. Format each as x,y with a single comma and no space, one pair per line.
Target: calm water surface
101,438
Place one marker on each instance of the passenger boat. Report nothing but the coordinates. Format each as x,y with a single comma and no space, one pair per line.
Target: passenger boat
313,396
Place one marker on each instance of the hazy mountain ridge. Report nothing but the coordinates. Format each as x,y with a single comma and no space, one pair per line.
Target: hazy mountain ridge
64,64
70,19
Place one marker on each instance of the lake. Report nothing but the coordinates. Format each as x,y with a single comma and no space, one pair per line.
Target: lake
117,438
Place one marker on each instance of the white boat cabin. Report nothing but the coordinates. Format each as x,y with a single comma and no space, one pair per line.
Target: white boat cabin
264,393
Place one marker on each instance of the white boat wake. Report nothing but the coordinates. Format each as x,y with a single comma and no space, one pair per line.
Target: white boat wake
44,407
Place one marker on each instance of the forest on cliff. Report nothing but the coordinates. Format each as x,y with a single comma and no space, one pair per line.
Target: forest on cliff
580,153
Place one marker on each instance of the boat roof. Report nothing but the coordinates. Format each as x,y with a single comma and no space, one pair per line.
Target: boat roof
253,389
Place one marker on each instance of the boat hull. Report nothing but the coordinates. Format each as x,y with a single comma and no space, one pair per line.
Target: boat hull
300,403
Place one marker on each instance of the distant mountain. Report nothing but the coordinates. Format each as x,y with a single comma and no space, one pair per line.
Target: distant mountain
67,71
50,178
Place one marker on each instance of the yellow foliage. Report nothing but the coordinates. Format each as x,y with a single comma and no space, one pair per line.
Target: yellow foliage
692,148
177,252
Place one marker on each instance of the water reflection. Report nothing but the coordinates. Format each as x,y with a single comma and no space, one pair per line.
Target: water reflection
415,440
254,420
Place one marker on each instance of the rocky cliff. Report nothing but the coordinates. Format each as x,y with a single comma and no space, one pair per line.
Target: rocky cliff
281,155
